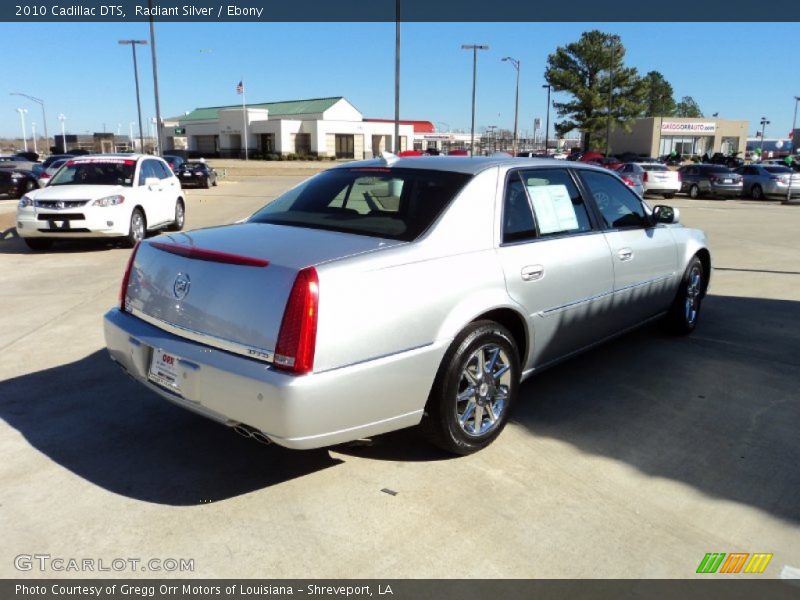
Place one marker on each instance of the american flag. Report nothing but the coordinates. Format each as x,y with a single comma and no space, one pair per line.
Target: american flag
240,88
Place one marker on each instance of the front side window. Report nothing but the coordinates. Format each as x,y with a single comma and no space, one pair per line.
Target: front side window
375,201
619,206
95,171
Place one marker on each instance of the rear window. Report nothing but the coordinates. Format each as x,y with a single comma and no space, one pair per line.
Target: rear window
93,171
716,169
654,167
193,165
777,169
396,204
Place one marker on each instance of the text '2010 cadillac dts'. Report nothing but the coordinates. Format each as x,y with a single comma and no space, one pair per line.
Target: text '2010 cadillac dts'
387,293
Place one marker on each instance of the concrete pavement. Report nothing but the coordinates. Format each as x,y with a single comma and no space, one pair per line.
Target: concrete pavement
633,460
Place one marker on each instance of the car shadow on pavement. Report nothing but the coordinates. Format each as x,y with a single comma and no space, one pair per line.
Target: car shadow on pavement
11,243
718,410
89,418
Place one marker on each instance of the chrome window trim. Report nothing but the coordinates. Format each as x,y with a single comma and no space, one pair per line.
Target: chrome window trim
259,354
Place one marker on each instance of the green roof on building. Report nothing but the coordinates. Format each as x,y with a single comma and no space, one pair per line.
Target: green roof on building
287,108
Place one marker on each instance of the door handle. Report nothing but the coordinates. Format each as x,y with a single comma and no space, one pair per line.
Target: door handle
625,254
532,272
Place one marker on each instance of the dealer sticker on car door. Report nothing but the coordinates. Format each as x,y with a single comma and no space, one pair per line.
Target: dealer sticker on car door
164,369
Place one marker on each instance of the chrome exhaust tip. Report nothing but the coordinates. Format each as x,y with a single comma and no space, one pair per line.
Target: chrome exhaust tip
251,433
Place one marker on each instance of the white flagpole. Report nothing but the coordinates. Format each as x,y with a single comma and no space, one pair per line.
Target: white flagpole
244,119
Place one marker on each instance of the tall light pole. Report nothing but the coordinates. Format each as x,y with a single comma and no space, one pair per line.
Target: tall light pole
547,126
474,48
133,44
792,147
764,124
33,137
397,76
40,102
22,112
130,136
159,133
62,118
515,63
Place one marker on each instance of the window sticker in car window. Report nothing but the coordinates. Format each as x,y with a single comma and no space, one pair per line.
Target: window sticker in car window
553,208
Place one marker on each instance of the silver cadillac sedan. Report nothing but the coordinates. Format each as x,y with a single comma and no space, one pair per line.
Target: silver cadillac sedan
394,292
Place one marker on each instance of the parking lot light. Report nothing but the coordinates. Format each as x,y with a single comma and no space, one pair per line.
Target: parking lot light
133,44
764,124
22,112
515,63
474,48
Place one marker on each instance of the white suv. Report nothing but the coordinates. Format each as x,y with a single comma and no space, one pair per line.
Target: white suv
106,195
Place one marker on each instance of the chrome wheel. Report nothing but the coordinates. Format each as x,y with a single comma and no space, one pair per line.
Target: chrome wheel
137,226
483,390
694,191
694,289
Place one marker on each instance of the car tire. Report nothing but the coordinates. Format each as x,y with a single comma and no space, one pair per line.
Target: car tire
205,184
756,193
137,230
681,319
180,216
669,196
466,409
38,244
694,191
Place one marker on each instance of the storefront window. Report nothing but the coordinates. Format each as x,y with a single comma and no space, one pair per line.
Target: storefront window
686,146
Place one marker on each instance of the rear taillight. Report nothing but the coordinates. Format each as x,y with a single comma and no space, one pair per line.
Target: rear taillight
44,175
712,177
297,338
123,290
629,181
680,177
644,177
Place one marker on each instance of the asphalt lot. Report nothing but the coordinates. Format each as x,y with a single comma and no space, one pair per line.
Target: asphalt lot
633,460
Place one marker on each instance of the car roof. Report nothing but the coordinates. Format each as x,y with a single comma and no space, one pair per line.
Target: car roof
466,164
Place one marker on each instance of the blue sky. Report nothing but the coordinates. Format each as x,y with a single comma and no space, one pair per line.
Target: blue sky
81,71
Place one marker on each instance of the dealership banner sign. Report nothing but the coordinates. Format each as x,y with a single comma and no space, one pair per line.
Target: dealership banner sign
677,127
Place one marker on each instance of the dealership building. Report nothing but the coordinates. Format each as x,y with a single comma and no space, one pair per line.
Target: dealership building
328,127
657,136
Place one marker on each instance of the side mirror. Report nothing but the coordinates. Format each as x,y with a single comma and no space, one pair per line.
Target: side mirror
151,181
666,214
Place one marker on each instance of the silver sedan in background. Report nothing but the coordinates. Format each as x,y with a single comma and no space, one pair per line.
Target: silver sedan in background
394,292
765,181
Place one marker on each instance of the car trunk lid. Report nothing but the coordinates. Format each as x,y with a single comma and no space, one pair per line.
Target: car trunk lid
228,286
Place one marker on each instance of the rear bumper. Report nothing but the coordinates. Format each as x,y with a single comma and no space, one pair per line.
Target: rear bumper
725,190
656,187
311,411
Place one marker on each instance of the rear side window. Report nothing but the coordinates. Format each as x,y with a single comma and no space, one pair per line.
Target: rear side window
148,170
619,206
541,203
164,172
375,201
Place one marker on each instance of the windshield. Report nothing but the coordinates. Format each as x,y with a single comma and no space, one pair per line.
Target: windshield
396,204
95,171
